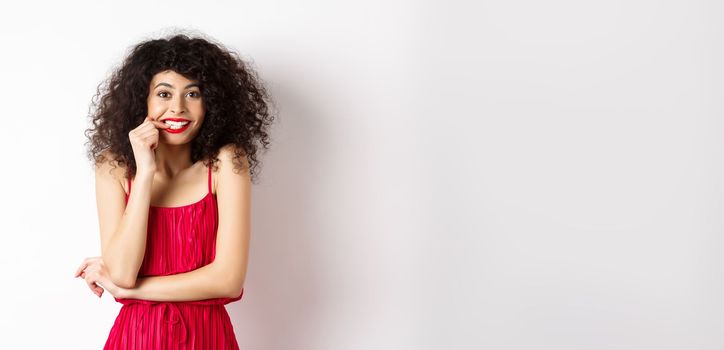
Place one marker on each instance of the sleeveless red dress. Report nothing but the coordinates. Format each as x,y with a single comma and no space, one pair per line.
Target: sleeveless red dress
179,239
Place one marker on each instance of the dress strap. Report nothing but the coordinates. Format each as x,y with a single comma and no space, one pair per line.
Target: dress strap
129,188
209,179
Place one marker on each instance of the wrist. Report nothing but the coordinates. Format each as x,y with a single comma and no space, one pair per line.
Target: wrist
124,293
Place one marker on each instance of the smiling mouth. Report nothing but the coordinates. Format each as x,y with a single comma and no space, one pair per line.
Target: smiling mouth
175,125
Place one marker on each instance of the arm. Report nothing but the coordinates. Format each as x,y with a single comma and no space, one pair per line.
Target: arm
224,277
199,284
123,227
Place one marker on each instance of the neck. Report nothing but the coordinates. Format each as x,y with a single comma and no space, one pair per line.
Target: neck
172,159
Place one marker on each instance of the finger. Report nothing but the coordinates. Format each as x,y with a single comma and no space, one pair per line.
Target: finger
160,114
153,144
151,140
144,121
94,288
155,118
152,135
161,124
150,128
147,124
81,268
153,132
145,127
90,284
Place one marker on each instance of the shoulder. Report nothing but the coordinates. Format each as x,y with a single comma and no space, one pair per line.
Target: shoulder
108,168
233,167
231,157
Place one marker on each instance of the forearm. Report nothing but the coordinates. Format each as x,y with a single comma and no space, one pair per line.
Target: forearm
205,282
123,253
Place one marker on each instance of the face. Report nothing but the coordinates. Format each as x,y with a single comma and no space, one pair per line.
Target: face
177,101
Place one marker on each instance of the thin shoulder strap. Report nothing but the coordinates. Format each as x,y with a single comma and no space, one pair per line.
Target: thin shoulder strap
129,187
209,179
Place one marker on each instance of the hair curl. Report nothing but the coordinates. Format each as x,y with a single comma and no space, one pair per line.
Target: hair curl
236,102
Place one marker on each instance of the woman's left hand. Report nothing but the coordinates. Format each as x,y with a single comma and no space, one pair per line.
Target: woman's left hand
95,274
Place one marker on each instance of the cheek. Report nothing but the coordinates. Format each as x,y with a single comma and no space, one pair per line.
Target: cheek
200,110
200,115
156,109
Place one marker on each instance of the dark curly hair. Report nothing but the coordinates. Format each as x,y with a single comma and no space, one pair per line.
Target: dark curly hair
237,103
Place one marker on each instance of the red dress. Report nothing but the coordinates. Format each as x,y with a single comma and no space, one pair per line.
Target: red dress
179,239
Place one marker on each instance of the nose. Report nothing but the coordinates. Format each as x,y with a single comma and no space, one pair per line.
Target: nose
177,105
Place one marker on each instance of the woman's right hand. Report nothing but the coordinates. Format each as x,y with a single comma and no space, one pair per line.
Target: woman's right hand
144,141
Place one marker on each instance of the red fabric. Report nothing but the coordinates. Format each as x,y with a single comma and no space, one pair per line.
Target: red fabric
179,239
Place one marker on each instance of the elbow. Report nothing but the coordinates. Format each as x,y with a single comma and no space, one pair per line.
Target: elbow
126,281
232,289
121,277
126,284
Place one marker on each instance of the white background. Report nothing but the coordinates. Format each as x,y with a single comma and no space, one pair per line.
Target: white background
504,175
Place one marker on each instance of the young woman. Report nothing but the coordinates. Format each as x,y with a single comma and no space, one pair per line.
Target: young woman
174,142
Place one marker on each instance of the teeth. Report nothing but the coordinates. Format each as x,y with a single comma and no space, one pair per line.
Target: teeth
175,122
175,125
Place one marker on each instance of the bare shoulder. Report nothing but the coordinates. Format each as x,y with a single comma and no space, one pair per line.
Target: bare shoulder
232,170
229,161
108,169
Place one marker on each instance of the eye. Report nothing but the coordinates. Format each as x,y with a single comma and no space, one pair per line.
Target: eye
163,94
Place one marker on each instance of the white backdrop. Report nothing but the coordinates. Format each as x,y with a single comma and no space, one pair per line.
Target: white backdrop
504,175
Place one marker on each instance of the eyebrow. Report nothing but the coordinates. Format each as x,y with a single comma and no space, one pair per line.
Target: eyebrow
171,86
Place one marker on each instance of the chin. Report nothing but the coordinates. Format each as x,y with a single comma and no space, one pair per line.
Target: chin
177,143
177,139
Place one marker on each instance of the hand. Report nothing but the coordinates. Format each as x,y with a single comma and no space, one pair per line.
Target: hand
144,141
95,274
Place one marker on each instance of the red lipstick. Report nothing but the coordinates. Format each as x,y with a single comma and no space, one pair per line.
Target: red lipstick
179,130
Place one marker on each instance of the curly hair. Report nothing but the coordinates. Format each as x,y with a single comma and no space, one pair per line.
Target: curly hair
236,102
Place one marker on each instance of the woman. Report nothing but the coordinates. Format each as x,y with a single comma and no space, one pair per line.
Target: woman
181,119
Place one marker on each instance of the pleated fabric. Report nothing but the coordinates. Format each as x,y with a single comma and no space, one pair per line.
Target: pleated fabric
179,239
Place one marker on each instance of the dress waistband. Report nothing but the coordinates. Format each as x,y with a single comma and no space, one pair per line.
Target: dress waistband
216,301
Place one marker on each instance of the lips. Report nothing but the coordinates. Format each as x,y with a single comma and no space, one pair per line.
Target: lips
176,124
177,131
